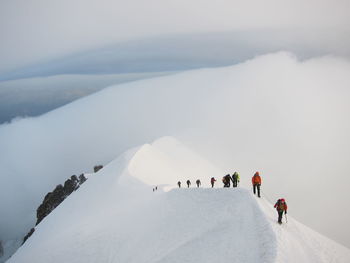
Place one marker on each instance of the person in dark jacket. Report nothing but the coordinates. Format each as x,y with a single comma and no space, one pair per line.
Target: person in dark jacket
226,180
281,206
212,181
198,183
179,184
188,182
235,179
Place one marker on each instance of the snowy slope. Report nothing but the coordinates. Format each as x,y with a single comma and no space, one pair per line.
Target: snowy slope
167,161
115,217
298,243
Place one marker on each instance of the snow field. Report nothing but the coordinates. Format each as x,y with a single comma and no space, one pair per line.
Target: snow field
115,217
298,243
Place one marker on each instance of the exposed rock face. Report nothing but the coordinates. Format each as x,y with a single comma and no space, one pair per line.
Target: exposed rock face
82,179
54,198
71,185
28,235
1,249
51,201
97,168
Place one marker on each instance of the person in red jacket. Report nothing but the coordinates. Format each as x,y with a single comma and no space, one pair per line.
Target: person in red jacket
256,181
281,206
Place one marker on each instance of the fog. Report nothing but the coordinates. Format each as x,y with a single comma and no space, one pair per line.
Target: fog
39,88
35,96
284,117
188,51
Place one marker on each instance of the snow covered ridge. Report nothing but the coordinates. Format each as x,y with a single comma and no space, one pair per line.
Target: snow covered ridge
115,217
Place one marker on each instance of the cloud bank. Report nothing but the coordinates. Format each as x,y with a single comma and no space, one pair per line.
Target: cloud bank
38,30
35,96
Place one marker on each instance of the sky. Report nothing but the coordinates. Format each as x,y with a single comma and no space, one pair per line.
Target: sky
38,30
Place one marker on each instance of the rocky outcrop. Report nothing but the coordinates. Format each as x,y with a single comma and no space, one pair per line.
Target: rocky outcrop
54,198
1,249
70,185
97,168
51,201
28,235
82,179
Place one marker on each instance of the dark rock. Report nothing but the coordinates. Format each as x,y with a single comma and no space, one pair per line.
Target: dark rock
82,179
54,198
28,235
97,168
70,185
51,201
1,249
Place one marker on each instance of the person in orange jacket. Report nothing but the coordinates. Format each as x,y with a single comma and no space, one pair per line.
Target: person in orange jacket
256,181
281,206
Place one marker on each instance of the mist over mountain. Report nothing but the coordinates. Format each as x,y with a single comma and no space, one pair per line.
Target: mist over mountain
187,51
35,96
38,88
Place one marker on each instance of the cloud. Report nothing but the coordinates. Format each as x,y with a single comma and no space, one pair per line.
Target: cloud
36,30
35,96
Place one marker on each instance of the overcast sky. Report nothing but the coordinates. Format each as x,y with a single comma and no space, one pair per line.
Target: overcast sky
38,30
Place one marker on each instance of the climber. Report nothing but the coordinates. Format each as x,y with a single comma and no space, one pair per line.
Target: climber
188,183
198,183
179,184
256,181
281,206
212,181
226,180
235,179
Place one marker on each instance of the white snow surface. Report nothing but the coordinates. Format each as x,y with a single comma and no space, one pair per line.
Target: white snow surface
116,217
